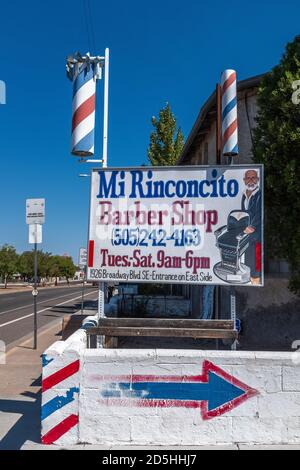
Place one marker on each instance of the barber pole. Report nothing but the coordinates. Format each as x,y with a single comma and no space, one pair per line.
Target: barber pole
229,113
83,115
84,71
60,391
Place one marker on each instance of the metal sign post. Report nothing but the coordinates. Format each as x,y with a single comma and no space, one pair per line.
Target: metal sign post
87,69
82,265
230,145
35,217
35,328
102,285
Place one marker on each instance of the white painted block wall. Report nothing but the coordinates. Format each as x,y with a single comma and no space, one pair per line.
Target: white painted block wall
272,417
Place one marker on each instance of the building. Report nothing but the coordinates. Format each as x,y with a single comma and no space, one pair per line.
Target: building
200,147
273,300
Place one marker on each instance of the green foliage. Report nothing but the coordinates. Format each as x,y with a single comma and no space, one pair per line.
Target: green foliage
49,266
8,262
67,268
166,141
277,145
25,265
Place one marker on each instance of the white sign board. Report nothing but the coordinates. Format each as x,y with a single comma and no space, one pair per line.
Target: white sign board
191,225
35,233
82,258
35,211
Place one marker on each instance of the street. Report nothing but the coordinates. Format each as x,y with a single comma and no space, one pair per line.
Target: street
16,309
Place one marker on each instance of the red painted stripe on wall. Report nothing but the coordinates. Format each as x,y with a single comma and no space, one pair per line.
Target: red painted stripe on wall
258,257
60,375
55,433
91,253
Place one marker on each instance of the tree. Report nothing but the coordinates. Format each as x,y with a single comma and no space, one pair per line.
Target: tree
277,145
8,262
44,264
67,268
54,267
25,265
166,141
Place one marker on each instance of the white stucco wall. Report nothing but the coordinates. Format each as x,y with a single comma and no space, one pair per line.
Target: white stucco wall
108,413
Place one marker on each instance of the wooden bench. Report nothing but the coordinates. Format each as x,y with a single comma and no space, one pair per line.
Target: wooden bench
176,328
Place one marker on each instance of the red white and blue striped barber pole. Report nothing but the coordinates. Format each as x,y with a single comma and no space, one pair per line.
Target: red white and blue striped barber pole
60,391
83,112
229,113
83,71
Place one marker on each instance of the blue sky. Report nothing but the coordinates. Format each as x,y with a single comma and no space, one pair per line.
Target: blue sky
160,51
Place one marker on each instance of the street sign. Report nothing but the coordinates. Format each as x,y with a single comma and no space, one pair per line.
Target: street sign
35,233
190,225
35,292
35,211
82,258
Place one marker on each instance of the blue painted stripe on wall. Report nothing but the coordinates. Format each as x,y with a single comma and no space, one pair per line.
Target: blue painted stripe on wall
46,361
58,402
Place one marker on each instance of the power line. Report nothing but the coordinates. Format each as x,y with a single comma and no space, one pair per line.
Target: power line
91,22
89,25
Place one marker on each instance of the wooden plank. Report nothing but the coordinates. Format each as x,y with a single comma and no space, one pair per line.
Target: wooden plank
163,332
111,342
166,323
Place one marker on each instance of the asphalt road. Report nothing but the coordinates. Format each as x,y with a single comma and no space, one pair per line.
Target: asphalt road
16,309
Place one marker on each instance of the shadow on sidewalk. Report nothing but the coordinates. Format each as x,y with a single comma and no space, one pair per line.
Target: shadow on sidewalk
27,428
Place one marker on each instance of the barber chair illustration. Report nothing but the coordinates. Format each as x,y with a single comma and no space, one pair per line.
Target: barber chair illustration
232,243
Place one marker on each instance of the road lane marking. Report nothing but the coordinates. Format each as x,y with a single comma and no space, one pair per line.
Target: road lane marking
39,303
45,309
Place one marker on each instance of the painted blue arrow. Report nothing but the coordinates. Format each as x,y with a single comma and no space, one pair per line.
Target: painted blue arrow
217,391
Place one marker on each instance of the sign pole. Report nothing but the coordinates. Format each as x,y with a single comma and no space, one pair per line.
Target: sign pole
35,218
35,297
82,292
230,146
82,266
102,286
218,162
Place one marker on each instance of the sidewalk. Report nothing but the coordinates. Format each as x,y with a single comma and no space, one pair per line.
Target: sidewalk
13,289
20,382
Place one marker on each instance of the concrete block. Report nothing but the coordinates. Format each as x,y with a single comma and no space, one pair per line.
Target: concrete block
280,405
291,378
258,431
104,430
265,379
